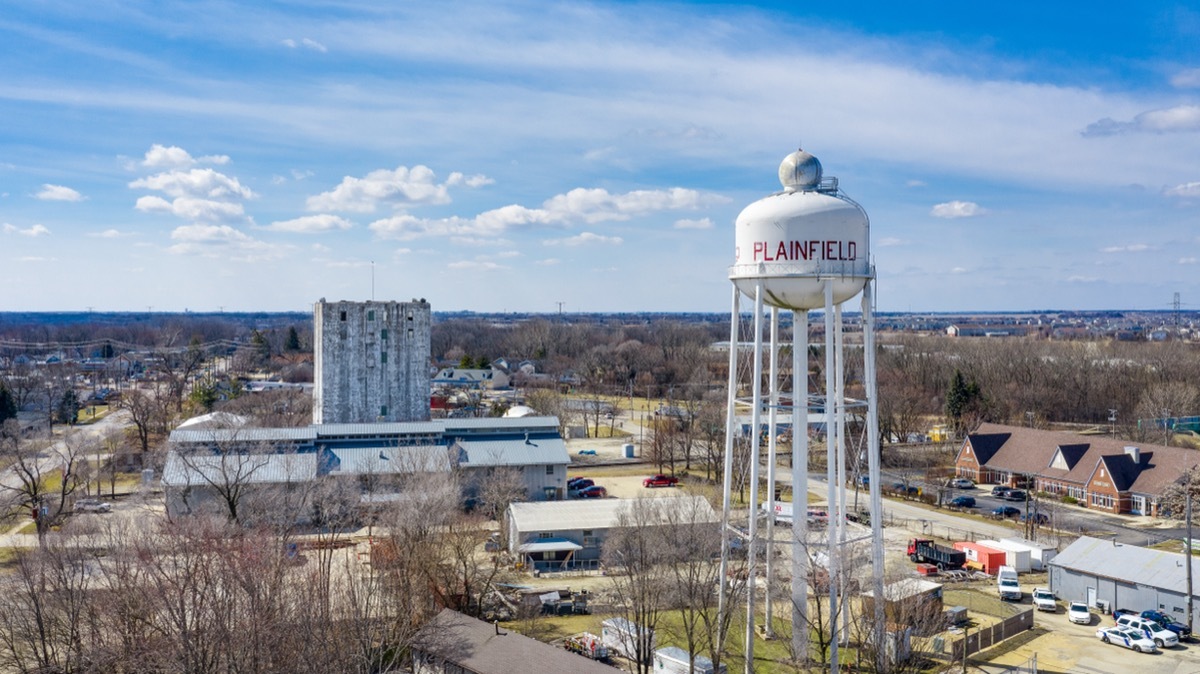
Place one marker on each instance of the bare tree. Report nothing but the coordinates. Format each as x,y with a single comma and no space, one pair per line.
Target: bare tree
641,578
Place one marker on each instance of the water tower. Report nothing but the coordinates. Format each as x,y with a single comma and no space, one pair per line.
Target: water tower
802,249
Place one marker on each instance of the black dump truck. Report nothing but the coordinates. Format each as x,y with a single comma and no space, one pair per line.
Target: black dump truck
922,550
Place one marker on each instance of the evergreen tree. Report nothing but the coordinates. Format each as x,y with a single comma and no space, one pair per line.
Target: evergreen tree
962,398
67,411
292,343
8,406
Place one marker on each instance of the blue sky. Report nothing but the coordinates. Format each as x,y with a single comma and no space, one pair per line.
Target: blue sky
511,156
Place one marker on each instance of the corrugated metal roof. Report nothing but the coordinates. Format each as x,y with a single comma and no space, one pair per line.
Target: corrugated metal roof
390,460
512,452
208,469
549,545
600,513
503,423
1127,563
436,427
242,435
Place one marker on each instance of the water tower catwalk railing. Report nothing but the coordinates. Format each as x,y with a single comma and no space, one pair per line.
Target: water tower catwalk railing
801,288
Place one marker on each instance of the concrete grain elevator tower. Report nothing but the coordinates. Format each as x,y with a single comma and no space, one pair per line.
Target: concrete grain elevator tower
802,249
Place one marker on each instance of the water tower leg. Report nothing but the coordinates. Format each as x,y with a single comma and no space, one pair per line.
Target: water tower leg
727,466
755,444
800,631
874,460
772,429
832,562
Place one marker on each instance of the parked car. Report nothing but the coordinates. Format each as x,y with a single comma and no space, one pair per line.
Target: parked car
999,491
574,481
587,452
594,491
1161,636
1038,518
900,487
660,481
91,505
1006,511
1078,613
580,485
1014,495
962,483
963,501
1169,623
1127,637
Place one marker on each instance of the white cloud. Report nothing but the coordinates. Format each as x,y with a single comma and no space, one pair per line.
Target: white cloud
890,241
400,187
305,42
702,223
205,183
220,241
1131,248
477,180
957,209
588,206
584,238
191,209
343,264
477,242
311,224
34,231
1187,260
598,205
507,254
1167,120
549,262
958,270
174,157
320,248
1184,190
36,258
108,234
1083,279
914,183
480,265
58,193
1186,79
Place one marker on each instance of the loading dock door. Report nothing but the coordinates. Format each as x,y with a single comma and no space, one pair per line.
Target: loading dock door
1091,599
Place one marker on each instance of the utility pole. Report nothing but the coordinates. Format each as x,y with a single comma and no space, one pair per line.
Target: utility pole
1188,552
1112,422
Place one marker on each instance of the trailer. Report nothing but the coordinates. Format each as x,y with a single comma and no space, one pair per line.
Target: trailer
923,550
675,661
981,557
1039,553
588,645
1018,556
624,637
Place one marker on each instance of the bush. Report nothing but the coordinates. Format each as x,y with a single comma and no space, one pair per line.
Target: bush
1070,500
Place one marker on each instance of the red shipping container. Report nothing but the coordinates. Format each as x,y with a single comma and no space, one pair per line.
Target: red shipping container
988,560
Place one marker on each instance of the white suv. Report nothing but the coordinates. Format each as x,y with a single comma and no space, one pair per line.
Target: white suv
1161,636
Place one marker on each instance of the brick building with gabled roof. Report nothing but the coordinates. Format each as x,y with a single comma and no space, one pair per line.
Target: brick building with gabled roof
1102,473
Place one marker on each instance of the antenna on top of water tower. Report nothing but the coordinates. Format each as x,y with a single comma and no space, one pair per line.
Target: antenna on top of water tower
372,280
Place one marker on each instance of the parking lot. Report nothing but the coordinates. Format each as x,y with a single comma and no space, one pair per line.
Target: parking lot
1063,646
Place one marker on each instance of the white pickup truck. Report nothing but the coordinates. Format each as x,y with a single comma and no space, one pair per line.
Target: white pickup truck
1043,600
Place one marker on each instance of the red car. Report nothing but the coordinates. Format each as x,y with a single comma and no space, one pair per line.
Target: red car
594,491
660,481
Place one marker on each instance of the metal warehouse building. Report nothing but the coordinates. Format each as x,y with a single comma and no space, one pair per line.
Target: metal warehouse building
1111,575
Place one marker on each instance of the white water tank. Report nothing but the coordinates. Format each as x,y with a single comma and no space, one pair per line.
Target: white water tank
801,239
